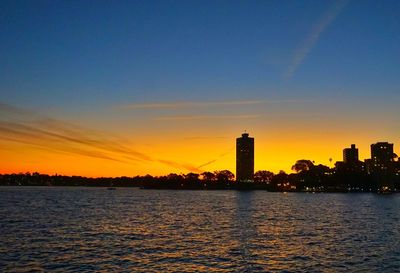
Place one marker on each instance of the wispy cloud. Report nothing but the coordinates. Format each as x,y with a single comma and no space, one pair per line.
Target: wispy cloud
200,104
185,166
306,46
188,104
205,117
205,137
29,128
216,159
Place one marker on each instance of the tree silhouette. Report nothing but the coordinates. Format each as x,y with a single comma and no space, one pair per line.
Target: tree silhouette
208,176
263,176
173,177
191,177
280,179
302,165
224,176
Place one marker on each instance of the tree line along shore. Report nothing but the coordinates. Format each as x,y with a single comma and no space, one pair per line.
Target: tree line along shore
306,178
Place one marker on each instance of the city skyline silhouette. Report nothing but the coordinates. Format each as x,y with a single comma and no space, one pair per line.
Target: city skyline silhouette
380,173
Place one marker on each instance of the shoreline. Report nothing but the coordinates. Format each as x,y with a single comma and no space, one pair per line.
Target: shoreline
201,189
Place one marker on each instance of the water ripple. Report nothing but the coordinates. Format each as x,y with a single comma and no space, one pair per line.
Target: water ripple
92,229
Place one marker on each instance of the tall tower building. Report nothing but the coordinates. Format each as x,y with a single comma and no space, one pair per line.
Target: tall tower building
382,156
245,158
350,155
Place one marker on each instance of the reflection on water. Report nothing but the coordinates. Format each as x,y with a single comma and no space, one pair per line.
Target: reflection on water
86,229
245,230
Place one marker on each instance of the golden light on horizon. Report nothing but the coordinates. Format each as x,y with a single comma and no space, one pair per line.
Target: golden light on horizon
174,156
114,145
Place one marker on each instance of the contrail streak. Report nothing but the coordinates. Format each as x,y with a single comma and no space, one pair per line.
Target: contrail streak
216,159
200,104
305,48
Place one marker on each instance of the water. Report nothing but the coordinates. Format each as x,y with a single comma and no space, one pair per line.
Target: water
93,229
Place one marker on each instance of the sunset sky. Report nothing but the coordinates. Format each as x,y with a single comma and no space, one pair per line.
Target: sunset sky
112,88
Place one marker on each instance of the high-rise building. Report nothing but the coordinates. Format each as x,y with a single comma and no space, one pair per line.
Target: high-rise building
382,156
245,158
350,155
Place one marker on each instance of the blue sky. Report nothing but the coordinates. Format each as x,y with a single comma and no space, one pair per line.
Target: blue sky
94,53
305,78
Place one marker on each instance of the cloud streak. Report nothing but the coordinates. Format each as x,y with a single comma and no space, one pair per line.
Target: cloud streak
188,104
206,117
200,104
307,45
216,159
28,128
205,137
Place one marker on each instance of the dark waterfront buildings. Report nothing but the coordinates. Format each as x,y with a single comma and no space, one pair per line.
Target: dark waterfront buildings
350,162
382,157
245,158
350,155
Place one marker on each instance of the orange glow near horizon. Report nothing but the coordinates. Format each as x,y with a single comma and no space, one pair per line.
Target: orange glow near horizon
182,155
149,145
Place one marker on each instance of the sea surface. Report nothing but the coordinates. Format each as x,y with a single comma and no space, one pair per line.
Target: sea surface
57,229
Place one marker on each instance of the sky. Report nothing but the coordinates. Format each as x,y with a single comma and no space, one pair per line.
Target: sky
124,88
